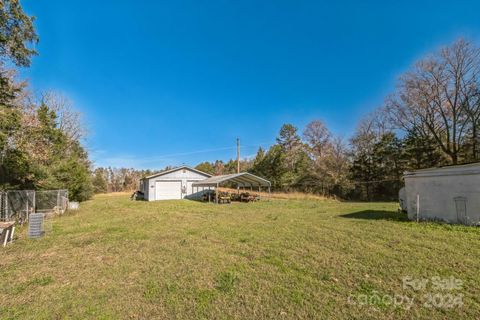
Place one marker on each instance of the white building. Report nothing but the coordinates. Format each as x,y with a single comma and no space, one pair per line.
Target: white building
186,182
450,194
171,184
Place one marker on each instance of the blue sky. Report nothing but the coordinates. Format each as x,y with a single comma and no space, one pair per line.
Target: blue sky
176,82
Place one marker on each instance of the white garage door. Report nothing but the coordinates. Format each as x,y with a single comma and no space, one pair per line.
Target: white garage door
165,190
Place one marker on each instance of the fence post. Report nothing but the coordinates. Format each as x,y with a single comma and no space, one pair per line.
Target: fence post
26,213
34,203
2,205
6,207
418,206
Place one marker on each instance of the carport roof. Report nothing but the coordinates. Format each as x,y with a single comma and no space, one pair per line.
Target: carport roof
243,179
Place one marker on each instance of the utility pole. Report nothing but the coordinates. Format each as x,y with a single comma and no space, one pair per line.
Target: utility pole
238,155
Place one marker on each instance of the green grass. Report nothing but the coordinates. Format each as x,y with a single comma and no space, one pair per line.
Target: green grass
282,259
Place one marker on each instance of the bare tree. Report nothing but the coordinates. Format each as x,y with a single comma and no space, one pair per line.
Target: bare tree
472,109
317,136
369,131
330,157
436,98
337,160
69,120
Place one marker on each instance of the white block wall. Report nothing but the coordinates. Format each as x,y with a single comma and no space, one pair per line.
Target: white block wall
438,190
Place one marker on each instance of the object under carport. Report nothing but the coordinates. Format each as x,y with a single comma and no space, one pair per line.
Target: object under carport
241,180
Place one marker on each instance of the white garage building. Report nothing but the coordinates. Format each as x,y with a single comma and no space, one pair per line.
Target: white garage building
171,184
450,194
186,182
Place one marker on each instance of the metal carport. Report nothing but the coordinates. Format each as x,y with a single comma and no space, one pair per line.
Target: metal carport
243,179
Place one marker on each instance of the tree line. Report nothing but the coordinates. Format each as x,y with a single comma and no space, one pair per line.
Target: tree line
40,135
110,179
431,119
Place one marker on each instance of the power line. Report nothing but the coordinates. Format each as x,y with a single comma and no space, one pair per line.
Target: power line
373,181
348,182
188,153
159,157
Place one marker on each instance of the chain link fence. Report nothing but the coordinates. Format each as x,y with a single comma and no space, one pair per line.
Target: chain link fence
51,201
19,204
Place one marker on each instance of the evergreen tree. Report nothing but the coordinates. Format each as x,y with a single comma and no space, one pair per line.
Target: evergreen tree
231,167
74,174
290,142
99,181
61,163
259,156
389,166
16,35
273,167
363,173
421,152
206,167
13,162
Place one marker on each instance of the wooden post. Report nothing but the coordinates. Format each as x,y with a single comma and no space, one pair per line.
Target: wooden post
216,194
58,200
6,237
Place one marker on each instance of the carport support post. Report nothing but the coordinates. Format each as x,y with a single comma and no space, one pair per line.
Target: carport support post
216,194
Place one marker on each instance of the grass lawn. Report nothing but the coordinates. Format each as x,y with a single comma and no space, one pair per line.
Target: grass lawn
280,259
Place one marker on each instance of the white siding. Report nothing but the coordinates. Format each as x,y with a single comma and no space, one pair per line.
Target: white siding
145,188
441,192
189,187
183,175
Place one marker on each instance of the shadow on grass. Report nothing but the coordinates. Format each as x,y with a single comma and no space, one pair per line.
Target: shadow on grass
377,215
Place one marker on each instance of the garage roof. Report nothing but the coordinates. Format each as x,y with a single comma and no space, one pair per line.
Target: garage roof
242,179
176,169
452,170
